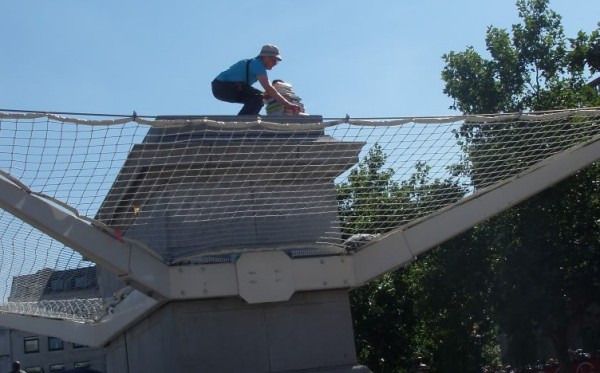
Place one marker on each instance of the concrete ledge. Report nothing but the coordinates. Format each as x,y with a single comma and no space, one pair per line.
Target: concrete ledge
248,118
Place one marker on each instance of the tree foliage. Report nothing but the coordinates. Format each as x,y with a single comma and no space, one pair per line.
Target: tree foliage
547,248
529,272
372,201
424,310
536,67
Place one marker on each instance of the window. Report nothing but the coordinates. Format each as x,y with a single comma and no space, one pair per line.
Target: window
81,364
57,284
55,344
81,282
34,370
32,344
57,367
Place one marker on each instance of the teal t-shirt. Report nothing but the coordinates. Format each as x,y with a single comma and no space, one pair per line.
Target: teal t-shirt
237,71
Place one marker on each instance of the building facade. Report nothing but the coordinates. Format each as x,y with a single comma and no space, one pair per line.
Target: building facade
40,353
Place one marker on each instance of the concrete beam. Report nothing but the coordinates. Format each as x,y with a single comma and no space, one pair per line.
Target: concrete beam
402,245
132,264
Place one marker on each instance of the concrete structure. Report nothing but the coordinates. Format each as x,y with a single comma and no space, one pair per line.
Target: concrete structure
168,289
310,333
196,189
313,330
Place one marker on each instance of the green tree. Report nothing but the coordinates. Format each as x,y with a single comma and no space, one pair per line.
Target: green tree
436,307
384,323
537,68
371,201
451,285
548,270
546,265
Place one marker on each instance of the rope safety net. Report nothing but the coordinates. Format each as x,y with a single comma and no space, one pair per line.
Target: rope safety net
201,191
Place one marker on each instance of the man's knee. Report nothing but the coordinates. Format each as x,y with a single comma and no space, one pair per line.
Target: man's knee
257,100
252,105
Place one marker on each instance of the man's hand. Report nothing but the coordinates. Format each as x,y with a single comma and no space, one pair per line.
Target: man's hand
271,91
293,108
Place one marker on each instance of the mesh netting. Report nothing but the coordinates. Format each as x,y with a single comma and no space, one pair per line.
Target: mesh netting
205,190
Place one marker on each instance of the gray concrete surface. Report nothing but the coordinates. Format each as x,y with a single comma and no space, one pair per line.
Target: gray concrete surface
310,333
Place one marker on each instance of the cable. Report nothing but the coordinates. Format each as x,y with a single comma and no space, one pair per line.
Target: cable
135,115
345,118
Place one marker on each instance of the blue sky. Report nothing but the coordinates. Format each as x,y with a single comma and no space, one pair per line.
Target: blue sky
363,58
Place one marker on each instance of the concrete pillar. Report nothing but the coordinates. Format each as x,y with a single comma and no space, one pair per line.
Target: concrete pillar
196,189
310,333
